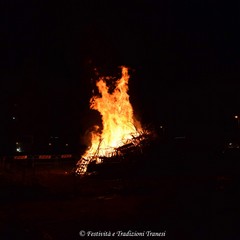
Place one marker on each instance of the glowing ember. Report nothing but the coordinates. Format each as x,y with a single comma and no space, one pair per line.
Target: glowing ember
119,124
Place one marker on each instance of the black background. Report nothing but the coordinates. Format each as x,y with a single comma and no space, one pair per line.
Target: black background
183,58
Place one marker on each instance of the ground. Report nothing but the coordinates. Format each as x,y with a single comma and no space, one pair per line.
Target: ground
50,202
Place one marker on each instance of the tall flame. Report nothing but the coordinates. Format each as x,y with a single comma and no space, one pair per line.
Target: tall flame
119,124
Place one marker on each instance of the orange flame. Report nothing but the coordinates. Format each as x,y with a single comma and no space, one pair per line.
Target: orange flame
119,123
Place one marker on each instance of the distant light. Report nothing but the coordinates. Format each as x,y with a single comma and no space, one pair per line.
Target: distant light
230,144
18,149
13,118
66,144
17,143
161,126
50,144
236,116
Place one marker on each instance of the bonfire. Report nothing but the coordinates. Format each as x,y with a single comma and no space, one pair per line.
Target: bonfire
120,129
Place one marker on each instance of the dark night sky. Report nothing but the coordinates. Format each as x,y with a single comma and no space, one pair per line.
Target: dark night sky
183,55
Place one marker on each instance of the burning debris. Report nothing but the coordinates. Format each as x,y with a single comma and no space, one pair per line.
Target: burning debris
121,132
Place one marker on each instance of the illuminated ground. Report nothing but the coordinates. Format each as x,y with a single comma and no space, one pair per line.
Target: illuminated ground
51,203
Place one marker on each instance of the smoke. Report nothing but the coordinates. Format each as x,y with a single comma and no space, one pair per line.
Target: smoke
86,139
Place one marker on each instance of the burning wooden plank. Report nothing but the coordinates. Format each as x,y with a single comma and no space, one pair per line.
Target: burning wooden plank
119,154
